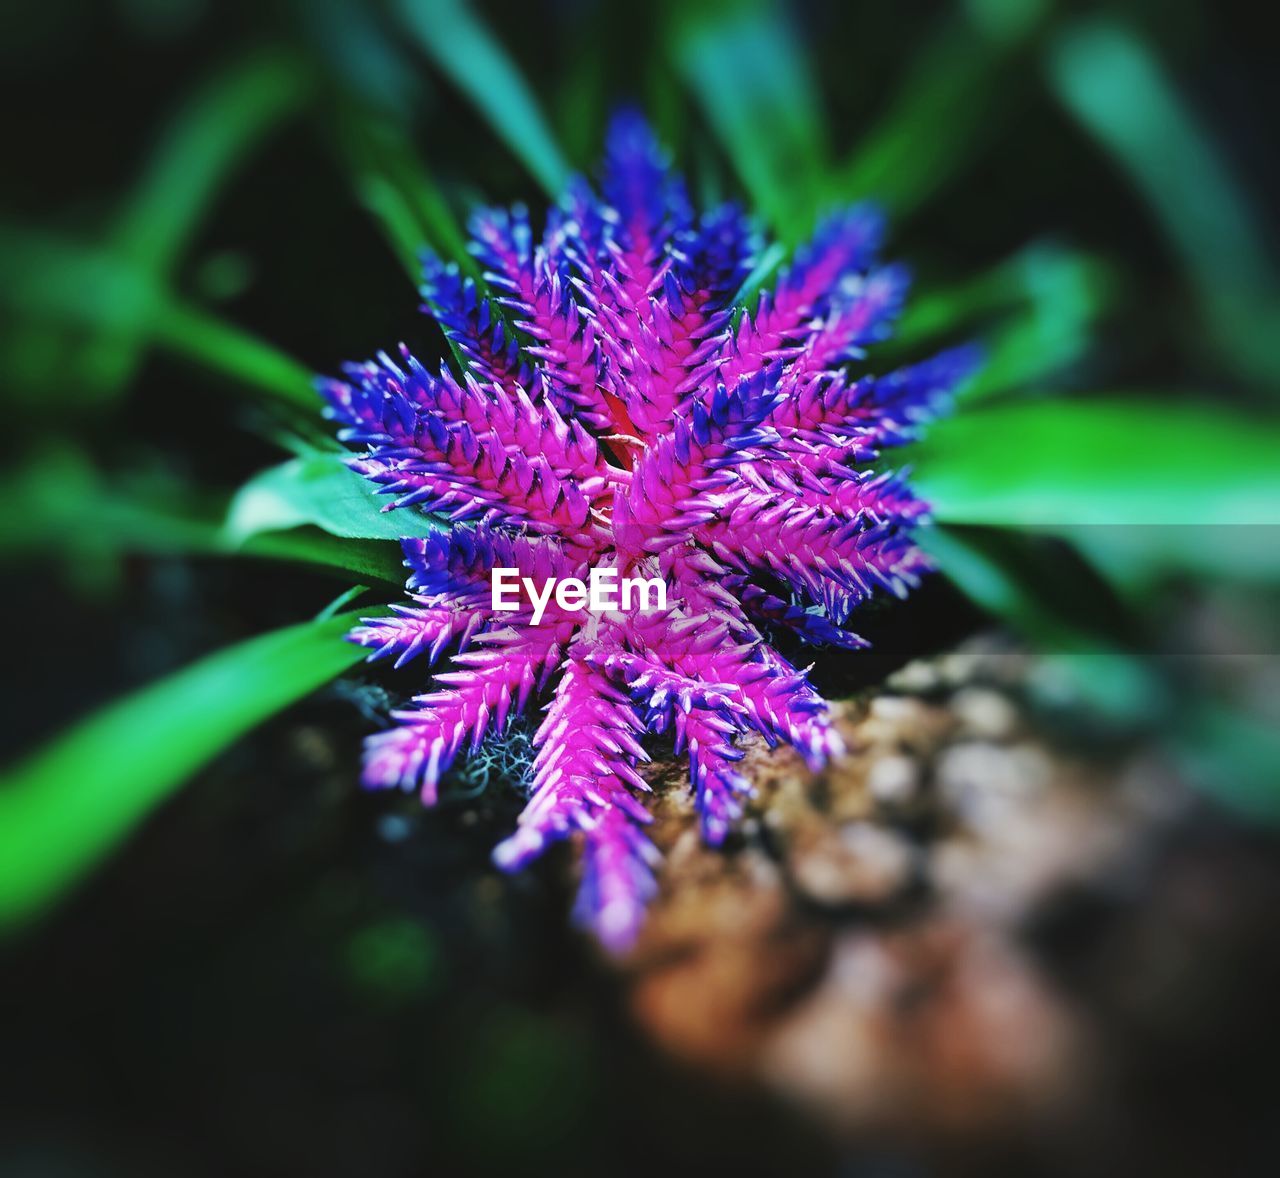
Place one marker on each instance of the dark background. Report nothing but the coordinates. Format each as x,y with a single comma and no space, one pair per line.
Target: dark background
281,975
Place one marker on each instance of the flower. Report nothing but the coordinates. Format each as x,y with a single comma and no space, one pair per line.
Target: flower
613,409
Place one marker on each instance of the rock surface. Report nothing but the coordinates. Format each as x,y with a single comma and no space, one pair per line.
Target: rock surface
859,950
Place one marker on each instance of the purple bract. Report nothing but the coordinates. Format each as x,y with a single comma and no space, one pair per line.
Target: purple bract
612,410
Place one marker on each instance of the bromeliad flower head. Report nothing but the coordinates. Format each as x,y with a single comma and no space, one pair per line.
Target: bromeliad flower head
612,409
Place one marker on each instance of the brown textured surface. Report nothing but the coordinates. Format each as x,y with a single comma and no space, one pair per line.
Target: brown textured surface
858,950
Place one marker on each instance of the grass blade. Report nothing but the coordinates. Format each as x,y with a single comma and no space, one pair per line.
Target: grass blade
747,69
948,102
65,808
463,48
213,133
58,507
58,281
1113,85
1045,279
391,182
1140,486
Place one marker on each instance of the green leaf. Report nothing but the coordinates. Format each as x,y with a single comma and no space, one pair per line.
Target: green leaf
212,132
580,102
1100,462
361,53
949,101
1035,313
217,346
49,278
58,506
320,489
746,67
210,136
1041,591
1044,283
69,805
1232,755
762,272
1112,83
364,558
391,182
464,49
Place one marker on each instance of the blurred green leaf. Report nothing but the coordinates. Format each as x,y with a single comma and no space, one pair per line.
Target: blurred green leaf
66,807
1007,21
1044,283
746,66
211,134
748,294
58,506
1112,83
218,346
464,49
1232,756
1030,349
1025,581
1035,313
391,182
1137,557
1084,637
48,278
580,105
362,53
1101,462
320,489
1227,754
951,97
394,960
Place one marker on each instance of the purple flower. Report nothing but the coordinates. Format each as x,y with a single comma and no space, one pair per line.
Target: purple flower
615,413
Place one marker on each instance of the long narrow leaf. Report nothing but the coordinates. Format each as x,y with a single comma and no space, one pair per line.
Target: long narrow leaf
320,489
949,102
1100,462
391,182
66,807
747,70
59,508
1110,81
1140,487
464,49
211,134
1033,582
1045,279
49,278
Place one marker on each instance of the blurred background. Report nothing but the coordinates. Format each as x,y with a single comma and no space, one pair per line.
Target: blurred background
1027,926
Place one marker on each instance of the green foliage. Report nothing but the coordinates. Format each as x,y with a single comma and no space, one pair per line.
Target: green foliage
66,807
462,47
62,283
394,960
1119,461
213,133
320,489
391,182
1110,81
746,67
1036,313
59,507
950,98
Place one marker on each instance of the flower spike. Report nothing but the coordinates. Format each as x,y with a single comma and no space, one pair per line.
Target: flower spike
612,411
